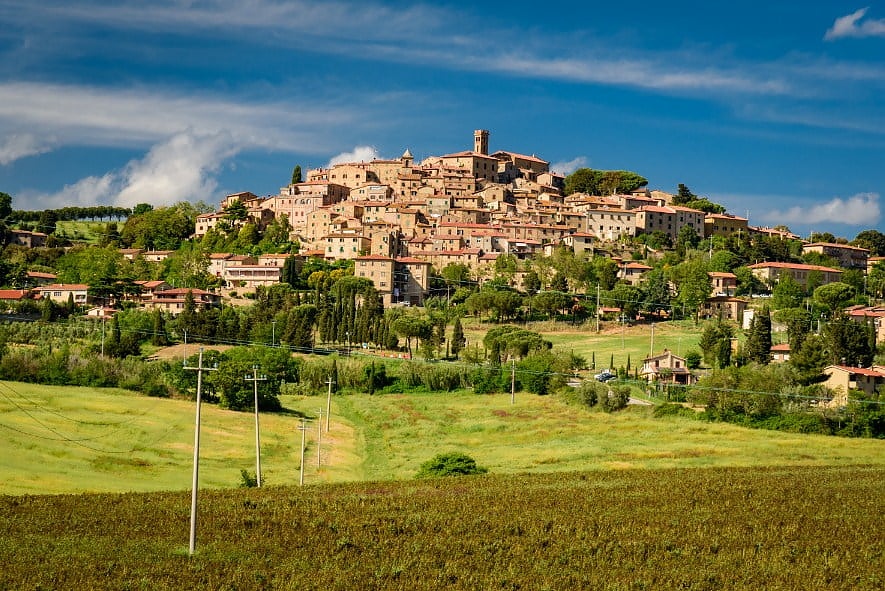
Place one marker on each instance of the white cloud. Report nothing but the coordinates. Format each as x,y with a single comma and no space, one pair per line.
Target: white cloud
181,168
359,154
852,25
136,117
570,166
17,146
861,209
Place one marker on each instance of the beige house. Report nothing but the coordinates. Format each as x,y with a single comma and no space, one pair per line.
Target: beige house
251,276
610,224
771,272
848,257
379,269
173,300
841,379
411,280
666,368
725,307
780,353
724,284
632,272
345,245
579,242
725,225
669,220
61,292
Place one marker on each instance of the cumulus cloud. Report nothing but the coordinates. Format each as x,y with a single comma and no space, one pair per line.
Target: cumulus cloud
182,168
359,154
861,209
569,166
853,25
16,146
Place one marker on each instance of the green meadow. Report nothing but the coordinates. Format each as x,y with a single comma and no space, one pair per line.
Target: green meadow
71,440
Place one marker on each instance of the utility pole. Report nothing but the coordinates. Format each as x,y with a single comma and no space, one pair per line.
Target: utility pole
255,379
597,307
319,435
513,381
329,403
273,333
102,334
651,350
193,533
303,428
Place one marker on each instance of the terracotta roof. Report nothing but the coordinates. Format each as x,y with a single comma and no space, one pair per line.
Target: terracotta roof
373,257
859,371
796,266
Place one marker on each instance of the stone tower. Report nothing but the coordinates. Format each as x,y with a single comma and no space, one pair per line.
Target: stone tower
481,141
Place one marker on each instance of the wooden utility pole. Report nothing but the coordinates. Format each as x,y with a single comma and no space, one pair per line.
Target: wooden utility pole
329,403
513,381
192,546
255,379
303,428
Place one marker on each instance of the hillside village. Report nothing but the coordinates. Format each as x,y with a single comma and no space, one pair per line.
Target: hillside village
400,223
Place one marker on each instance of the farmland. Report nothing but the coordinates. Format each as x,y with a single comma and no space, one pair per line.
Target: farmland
68,440
763,528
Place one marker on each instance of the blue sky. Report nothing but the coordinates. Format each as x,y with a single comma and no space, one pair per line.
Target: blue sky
774,111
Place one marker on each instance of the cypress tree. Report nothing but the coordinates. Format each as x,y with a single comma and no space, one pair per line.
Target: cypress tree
458,340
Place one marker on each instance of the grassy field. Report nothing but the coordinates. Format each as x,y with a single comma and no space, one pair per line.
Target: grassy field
696,529
614,340
64,440
84,231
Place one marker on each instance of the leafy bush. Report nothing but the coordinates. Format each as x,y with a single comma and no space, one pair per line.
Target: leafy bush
615,398
449,464
674,410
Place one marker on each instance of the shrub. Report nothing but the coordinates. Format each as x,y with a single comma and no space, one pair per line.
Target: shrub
615,398
449,464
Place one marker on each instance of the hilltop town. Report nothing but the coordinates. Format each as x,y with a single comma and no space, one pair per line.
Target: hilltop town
593,245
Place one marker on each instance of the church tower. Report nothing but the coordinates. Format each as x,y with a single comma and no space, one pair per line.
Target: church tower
481,141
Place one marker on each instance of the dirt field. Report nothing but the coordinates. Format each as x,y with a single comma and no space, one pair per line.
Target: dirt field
183,351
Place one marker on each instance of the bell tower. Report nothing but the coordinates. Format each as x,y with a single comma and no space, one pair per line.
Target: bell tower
481,141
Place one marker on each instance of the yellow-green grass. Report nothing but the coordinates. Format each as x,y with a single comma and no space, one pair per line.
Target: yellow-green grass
83,231
66,440
614,341
395,433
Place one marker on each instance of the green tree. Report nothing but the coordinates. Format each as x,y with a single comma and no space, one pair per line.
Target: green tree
458,339
787,293
5,205
758,345
531,283
296,174
848,342
693,285
683,195
834,296
142,208
874,240
715,342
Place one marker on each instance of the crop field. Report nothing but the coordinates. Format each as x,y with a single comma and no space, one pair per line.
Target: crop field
798,528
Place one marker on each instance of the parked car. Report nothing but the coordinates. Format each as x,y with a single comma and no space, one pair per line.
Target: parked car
605,375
